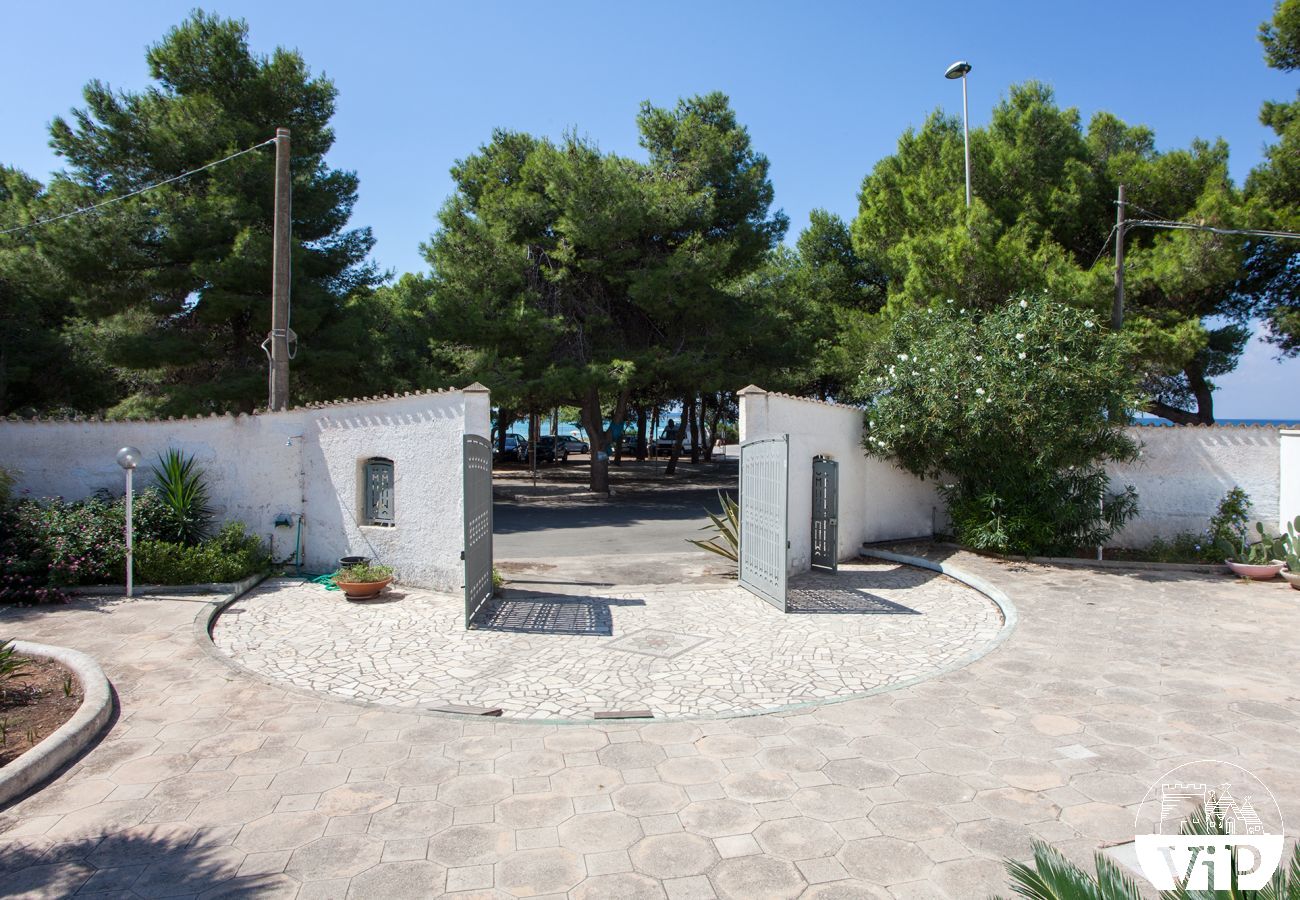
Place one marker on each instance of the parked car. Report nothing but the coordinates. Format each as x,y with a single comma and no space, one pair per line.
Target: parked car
551,450
575,444
516,449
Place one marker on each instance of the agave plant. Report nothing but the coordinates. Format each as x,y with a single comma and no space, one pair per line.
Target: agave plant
1053,877
180,482
726,543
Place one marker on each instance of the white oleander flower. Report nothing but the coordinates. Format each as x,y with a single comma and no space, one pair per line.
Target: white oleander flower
1020,335
1087,323
1022,354
980,391
902,357
1024,304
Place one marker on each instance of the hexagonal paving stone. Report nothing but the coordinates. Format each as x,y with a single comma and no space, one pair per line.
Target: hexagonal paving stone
336,856
626,886
651,798
267,761
382,753
797,838
600,832
850,890
192,787
1028,774
233,809
792,759
576,740
747,877
997,838
759,786
534,810
832,802
669,733
859,773
674,855
692,770
474,790
819,736
231,743
399,880
728,746
149,769
422,770
582,781
933,788
719,818
1017,805
281,831
631,755
1103,821
417,819
953,760
528,873
1108,787
478,748
529,764
471,845
911,821
330,739
310,779
885,860
357,797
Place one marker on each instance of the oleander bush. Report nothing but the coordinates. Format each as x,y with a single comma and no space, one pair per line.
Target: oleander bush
1015,412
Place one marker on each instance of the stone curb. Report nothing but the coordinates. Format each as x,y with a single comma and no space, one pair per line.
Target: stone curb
207,616
1075,562
145,590
45,759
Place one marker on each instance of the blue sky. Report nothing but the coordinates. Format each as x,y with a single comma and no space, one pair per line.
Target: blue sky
825,88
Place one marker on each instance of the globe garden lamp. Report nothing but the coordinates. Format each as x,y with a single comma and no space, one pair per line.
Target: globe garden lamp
128,458
961,69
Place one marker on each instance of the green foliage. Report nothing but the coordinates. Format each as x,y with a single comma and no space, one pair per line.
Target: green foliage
1257,553
167,295
1007,409
1044,191
363,573
1053,877
726,543
180,482
7,481
46,544
12,666
498,581
564,275
230,555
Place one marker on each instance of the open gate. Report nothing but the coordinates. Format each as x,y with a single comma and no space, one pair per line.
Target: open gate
826,514
764,497
477,461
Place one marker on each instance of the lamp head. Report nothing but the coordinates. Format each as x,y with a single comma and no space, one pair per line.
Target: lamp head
128,457
957,69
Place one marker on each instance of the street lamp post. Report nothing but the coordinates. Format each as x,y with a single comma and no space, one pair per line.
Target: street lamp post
128,458
960,69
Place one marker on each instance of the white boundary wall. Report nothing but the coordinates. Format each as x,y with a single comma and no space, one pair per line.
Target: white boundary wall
1180,476
306,462
878,501
1184,471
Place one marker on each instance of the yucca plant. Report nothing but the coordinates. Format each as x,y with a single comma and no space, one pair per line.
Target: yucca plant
726,543
1053,877
180,482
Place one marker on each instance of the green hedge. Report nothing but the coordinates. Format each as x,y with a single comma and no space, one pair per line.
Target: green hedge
231,555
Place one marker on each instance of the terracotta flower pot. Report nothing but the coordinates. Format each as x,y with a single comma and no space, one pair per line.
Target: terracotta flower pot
362,590
1292,578
1256,572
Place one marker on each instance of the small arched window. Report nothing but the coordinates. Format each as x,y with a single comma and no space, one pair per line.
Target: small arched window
379,508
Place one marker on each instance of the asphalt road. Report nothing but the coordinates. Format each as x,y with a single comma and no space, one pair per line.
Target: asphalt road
656,521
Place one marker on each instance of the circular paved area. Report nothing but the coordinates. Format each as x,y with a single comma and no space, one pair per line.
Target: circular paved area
678,653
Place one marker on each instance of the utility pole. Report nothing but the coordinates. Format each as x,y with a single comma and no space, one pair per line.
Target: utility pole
1117,309
279,387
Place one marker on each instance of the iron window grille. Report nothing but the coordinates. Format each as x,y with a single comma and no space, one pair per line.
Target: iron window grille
379,492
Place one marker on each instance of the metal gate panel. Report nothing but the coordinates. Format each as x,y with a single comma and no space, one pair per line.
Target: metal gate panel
826,514
764,498
477,461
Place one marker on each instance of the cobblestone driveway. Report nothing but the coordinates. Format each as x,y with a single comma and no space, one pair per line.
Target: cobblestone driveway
213,783
568,655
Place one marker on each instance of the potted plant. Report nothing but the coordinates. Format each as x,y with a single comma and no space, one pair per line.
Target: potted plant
1260,561
1291,540
363,581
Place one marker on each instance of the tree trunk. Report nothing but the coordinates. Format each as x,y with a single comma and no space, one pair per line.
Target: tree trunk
695,432
600,437
713,427
504,417
640,433
1204,414
654,434
676,452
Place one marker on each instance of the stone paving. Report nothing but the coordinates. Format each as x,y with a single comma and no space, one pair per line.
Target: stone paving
212,783
678,653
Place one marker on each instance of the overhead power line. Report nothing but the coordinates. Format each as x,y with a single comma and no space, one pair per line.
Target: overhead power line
1193,226
136,193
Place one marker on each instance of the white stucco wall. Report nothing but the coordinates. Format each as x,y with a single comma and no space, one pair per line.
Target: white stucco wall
1289,489
303,462
1183,472
878,501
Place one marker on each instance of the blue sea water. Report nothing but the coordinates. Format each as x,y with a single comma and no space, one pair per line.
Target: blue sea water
1152,421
